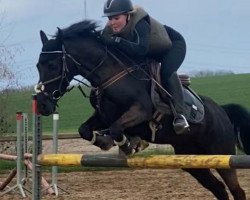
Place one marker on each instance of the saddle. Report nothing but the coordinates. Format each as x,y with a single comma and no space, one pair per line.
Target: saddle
193,105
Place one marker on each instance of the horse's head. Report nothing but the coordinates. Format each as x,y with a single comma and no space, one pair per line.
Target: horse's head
75,50
54,73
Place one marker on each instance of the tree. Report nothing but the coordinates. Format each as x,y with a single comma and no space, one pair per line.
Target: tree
7,78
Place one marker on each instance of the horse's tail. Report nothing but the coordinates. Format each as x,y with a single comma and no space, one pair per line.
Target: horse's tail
240,118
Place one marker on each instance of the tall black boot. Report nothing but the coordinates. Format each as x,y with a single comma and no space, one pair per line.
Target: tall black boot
174,87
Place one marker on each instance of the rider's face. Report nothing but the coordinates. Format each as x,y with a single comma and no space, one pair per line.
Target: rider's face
117,22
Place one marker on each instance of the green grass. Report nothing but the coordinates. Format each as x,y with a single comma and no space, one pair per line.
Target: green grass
75,109
225,89
6,165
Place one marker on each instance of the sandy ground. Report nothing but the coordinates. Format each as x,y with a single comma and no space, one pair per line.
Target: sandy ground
147,184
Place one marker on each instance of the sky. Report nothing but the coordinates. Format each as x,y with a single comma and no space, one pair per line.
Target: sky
217,32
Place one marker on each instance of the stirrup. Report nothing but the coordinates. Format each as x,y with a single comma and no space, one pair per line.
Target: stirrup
180,127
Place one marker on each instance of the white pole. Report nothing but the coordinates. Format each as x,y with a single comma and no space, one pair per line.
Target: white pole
55,148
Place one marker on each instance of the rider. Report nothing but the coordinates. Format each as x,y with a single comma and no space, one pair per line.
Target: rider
138,35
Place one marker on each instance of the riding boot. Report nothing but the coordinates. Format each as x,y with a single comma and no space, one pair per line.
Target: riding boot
174,87
125,146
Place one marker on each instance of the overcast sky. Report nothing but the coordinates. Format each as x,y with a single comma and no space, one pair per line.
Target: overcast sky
217,32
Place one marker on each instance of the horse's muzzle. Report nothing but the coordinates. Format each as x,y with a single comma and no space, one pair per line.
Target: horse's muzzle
46,106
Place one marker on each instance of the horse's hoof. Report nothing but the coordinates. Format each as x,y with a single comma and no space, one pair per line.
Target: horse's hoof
142,145
105,143
138,144
127,149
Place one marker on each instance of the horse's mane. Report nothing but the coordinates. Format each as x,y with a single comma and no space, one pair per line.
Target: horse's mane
87,28
80,29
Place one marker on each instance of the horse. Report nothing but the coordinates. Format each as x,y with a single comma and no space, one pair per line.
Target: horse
123,105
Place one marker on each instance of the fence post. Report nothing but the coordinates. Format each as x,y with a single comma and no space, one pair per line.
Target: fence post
55,148
19,142
20,153
25,139
37,149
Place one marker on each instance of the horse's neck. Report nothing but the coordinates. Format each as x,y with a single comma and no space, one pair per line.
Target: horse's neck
98,63
109,69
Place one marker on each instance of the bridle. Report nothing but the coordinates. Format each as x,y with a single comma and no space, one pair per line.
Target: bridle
57,94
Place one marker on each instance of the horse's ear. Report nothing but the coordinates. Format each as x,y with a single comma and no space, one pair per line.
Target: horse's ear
43,36
59,35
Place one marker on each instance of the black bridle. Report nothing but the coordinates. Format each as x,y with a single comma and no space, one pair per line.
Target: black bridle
57,94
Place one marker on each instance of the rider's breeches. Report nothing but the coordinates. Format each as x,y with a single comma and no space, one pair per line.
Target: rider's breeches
170,63
173,58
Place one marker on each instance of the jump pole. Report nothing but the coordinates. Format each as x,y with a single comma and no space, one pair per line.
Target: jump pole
154,161
11,175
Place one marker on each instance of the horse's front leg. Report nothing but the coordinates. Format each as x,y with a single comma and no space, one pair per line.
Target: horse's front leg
135,115
89,131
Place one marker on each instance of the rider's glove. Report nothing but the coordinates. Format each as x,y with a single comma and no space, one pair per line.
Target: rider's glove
111,40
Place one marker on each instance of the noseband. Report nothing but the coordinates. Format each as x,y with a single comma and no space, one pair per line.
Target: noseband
57,94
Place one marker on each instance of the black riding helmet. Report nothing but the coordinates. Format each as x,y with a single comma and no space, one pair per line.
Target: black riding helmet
117,7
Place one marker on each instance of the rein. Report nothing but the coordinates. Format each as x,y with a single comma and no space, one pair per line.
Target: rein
57,94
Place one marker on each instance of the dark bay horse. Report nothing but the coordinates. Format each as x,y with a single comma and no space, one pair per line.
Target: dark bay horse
123,104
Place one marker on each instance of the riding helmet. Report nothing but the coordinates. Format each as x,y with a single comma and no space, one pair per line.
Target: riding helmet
117,7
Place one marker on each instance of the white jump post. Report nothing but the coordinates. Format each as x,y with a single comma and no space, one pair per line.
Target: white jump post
55,150
20,126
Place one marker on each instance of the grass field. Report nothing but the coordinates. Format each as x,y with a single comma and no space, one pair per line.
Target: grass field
225,89
75,109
